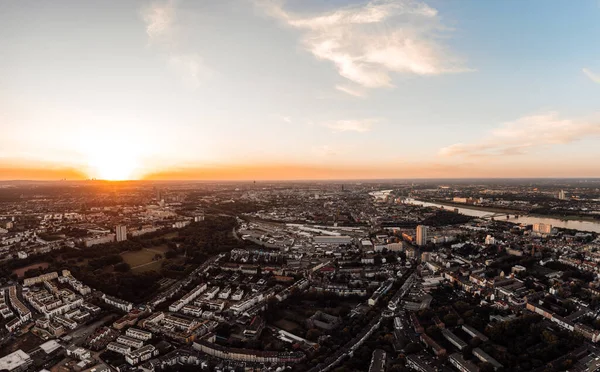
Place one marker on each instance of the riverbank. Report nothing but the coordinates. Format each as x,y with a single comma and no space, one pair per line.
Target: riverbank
526,219
512,211
476,207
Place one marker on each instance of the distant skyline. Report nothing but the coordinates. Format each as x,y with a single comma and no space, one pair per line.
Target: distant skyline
299,89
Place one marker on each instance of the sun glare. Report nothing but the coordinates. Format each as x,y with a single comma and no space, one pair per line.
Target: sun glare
111,159
113,168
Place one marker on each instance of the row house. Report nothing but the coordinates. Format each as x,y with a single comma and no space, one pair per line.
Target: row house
4,308
139,334
237,295
435,347
118,303
211,305
224,294
39,279
20,308
130,341
211,293
191,310
68,323
119,348
141,355
13,324
246,355
189,297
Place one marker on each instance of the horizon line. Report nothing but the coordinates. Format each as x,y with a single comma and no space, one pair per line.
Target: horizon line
304,179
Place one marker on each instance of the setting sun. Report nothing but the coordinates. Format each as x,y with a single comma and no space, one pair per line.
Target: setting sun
113,168
111,159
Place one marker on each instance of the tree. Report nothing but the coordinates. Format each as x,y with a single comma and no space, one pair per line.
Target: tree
486,367
122,267
313,334
450,319
413,348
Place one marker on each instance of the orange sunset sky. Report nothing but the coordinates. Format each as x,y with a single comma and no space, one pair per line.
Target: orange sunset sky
298,89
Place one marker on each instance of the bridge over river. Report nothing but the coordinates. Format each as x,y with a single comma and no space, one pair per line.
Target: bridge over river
497,215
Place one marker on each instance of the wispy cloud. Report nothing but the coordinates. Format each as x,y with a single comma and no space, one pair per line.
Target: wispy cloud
370,41
524,134
160,21
360,126
593,76
161,27
190,69
324,151
353,91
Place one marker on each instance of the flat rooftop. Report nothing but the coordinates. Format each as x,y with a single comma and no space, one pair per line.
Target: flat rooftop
14,360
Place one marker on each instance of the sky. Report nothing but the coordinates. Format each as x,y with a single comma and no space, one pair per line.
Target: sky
299,89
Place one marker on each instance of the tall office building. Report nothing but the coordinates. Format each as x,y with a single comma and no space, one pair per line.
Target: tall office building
121,231
562,195
421,235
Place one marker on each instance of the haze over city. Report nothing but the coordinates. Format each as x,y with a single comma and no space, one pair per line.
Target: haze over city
304,89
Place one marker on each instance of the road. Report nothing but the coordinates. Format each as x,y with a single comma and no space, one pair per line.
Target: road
146,264
235,235
352,345
79,335
185,281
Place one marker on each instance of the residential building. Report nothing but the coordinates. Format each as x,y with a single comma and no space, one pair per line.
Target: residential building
140,355
118,303
119,348
454,340
421,237
40,279
378,361
461,364
130,341
121,233
485,357
139,334
16,362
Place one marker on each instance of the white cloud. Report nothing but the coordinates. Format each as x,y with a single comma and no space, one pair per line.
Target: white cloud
353,91
287,119
526,133
370,41
160,19
324,150
190,69
593,76
360,126
161,26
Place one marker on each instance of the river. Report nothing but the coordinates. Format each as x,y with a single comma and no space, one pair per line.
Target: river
527,220
381,194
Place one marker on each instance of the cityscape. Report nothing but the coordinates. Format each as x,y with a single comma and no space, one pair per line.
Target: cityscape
299,186
485,275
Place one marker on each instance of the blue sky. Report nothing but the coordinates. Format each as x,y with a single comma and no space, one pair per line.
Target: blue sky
387,88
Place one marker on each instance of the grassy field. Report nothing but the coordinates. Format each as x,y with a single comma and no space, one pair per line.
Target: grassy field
156,265
20,272
144,256
286,325
138,258
170,235
161,249
27,342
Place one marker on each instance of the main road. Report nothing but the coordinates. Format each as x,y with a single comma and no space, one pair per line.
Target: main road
351,346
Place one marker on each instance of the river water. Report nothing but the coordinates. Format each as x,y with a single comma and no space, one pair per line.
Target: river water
527,220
